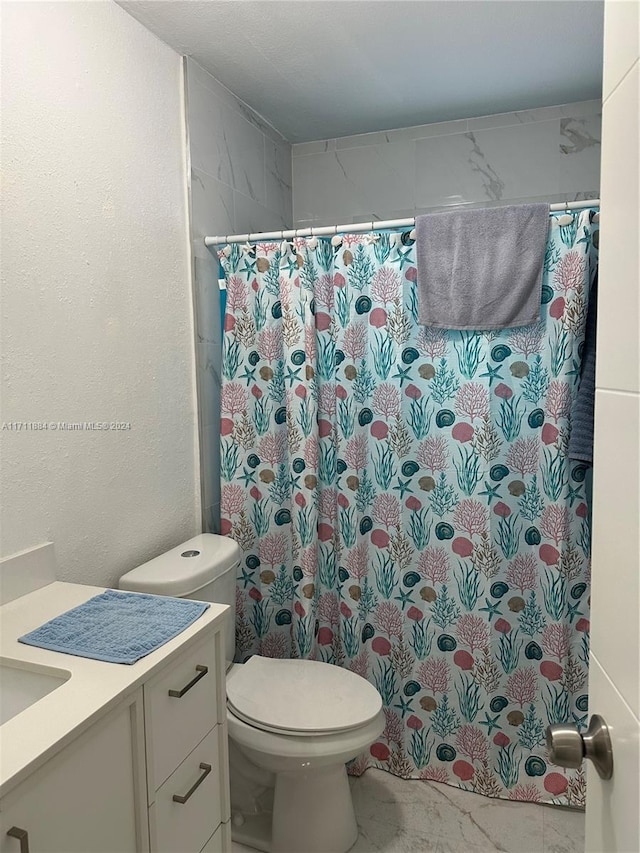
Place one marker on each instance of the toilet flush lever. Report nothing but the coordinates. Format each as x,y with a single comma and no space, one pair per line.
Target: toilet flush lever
568,748
202,671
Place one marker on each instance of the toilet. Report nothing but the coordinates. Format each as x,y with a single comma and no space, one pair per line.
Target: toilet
292,724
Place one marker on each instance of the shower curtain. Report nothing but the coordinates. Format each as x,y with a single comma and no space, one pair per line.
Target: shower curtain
405,504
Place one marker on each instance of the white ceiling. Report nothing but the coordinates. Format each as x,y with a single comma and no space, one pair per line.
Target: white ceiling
316,69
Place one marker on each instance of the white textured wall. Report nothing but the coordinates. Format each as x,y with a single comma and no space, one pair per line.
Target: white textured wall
96,304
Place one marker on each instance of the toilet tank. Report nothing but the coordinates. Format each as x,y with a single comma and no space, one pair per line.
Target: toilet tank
203,568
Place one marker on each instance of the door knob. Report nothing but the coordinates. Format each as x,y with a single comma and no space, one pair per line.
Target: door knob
568,747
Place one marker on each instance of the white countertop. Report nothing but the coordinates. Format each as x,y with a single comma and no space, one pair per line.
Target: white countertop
34,735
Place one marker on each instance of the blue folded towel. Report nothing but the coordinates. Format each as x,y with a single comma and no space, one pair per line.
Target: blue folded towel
117,627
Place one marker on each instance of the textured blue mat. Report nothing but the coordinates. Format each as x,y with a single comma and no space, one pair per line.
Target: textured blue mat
118,627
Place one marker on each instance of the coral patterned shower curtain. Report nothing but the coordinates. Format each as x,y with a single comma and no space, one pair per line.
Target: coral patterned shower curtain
405,504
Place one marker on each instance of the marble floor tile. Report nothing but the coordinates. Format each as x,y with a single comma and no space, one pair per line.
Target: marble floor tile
413,816
488,825
562,830
393,816
396,815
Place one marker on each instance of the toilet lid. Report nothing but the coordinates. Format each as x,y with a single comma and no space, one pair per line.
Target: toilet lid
300,696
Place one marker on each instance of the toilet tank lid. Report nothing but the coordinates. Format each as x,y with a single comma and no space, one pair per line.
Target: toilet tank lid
186,568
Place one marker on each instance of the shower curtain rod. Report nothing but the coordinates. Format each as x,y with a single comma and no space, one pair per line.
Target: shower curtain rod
331,230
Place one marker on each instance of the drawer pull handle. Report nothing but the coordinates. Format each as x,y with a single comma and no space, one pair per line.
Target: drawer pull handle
23,837
202,671
182,798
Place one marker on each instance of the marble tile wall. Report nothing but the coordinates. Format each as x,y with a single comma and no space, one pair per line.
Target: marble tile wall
240,182
545,154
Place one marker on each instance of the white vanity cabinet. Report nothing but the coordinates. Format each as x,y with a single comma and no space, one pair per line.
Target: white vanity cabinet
84,799
151,774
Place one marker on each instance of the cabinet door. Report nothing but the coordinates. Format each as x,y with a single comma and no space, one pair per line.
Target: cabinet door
85,799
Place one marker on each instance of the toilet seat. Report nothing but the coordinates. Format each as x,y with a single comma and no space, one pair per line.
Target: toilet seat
300,697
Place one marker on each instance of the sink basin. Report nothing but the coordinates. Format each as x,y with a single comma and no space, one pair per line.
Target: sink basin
20,688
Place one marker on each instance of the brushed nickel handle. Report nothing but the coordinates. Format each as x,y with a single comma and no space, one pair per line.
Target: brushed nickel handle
568,748
23,837
202,671
182,798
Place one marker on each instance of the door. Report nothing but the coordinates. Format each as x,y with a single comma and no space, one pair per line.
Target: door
613,807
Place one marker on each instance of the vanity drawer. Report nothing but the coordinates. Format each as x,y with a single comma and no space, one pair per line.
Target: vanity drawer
186,827
181,706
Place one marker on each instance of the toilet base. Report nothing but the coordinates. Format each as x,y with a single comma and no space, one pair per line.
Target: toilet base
313,812
254,831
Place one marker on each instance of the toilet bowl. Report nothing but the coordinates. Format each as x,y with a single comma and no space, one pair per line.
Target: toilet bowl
292,724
